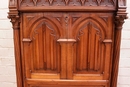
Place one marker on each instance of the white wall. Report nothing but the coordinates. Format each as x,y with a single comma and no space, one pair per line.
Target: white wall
124,67
7,62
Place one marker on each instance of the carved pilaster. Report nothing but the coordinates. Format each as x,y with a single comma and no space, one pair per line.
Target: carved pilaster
16,32
15,20
119,21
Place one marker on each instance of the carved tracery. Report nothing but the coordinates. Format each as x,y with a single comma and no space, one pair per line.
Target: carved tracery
44,26
68,2
89,59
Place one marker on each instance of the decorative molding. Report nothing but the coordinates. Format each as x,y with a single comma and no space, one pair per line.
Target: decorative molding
66,40
67,1
98,1
103,1
107,41
74,3
83,1
27,40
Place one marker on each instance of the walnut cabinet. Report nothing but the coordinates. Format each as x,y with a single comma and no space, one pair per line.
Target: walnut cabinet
67,43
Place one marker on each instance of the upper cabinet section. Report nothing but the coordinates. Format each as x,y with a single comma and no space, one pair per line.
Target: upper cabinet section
67,5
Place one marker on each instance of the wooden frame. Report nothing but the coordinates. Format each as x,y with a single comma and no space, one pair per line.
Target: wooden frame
120,15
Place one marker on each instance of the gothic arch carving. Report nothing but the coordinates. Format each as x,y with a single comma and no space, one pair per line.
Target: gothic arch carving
48,23
87,21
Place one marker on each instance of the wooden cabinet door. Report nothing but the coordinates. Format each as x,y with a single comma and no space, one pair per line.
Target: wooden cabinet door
91,54
41,52
74,46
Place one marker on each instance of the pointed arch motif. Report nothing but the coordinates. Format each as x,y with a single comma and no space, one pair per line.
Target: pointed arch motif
89,56
44,35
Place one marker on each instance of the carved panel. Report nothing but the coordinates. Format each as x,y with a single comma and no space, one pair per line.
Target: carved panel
45,53
67,2
88,49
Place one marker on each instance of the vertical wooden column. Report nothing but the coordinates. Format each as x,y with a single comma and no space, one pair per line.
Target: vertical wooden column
119,20
70,58
16,32
15,20
66,58
63,58
119,23
108,46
